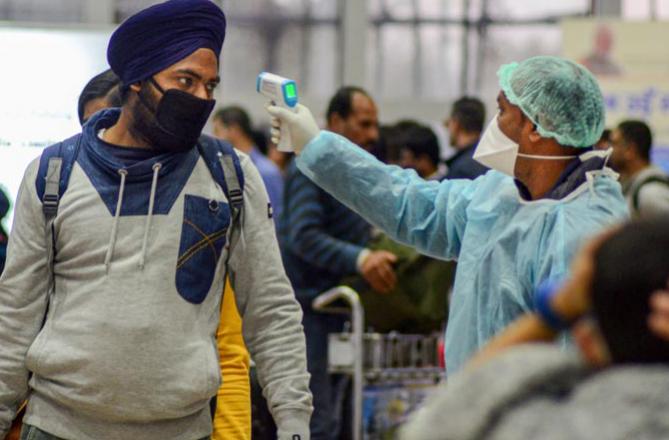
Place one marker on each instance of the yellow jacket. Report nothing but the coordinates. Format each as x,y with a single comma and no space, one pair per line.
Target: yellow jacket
233,406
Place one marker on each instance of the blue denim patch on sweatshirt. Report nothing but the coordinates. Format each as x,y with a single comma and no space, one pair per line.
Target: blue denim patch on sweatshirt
203,235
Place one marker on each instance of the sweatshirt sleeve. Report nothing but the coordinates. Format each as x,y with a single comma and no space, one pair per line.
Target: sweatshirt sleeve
23,298
271,316
430,216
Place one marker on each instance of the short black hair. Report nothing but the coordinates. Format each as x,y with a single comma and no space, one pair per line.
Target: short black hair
629,267
469,112
421,140
342,101
392,138
638,134
102,85
606,136
235,115
261,141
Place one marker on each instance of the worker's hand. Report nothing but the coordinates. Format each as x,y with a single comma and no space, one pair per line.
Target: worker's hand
377,269
658,321
575,296
301,125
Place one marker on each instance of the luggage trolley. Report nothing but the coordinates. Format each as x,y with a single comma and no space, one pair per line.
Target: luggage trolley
392,373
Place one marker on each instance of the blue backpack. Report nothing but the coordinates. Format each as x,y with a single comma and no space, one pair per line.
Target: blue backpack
220,157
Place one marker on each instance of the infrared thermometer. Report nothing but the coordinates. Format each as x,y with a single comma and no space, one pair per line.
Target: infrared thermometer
282,92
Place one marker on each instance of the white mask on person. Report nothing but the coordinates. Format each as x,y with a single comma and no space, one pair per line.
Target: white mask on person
498,152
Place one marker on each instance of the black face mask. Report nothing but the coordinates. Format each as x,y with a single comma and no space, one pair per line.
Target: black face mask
176,123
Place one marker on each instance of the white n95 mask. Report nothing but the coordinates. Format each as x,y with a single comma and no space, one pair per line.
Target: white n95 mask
498,152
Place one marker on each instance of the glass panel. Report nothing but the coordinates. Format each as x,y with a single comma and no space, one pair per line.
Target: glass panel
290,8
532,9
288,59
403,62
400,9
636,9
126,8
514,43
441,61
322,62
324,9
394,55
453,9
244,57
41,11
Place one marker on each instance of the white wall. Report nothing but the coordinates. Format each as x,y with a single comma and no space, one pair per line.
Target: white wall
43,73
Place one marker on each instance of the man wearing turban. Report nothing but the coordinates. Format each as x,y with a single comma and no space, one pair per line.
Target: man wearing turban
108,326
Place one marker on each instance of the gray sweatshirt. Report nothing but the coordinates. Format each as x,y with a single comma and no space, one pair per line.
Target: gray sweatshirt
128,350
542,392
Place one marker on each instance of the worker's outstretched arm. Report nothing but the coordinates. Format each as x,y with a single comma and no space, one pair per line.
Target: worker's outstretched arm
430,216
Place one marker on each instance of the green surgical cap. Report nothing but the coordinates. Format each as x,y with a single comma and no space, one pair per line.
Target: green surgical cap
562,98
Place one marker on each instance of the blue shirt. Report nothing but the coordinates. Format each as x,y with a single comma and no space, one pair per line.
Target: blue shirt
273,179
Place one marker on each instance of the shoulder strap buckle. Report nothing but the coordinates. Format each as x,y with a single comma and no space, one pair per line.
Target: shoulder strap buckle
51,196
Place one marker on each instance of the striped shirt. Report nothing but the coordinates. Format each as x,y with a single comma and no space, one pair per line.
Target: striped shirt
320,238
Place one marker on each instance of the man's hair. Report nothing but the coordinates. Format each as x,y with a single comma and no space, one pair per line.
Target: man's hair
469,113
637,133
629,267
392,138
421,140
104,85
606,136
235,115
342,101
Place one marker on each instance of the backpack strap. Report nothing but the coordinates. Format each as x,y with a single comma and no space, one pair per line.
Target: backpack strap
53,177
226,169
650,179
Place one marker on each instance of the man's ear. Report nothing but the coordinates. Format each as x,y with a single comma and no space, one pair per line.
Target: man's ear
591,343
136,87
533,135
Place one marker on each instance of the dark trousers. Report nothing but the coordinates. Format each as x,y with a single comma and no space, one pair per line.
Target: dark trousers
328,390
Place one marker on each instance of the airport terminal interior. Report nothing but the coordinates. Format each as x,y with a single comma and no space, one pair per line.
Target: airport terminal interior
334,219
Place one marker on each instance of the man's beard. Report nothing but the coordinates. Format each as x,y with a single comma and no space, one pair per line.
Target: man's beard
146,126
143,124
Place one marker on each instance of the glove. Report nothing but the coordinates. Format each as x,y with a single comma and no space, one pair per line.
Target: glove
301,124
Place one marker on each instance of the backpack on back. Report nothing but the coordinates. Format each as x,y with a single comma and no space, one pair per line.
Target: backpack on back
220,157
650,179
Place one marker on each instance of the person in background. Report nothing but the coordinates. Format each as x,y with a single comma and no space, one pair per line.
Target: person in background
101,92
465,125
233,124
421,152
659,318
280,158
322,241
509,229
600,60
604,142
390,144
232,418
615,387
5,204
645,186
114,337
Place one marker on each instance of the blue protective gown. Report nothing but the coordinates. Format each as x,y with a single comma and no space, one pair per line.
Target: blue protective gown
504,245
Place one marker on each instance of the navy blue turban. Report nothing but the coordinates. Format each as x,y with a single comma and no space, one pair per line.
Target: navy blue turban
162,35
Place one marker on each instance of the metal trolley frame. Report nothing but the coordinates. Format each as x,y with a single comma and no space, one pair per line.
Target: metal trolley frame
371,358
